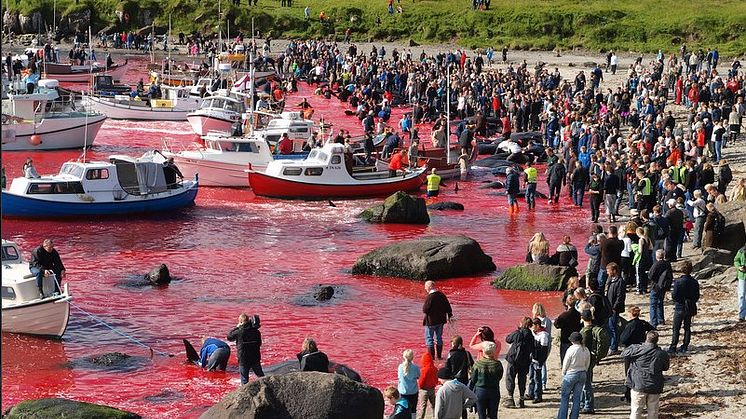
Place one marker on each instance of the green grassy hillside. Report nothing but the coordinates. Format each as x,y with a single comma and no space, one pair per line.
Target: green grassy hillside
635,25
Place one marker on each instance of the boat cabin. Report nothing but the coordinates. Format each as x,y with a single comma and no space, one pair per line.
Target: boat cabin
28,105
104,85
18,284
330,161
224,103
293,123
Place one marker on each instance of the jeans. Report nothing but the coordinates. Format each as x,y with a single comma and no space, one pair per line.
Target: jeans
434,334
39,273
699,224
642,400
588,390
243,371
531,194
578,192
487,401
519,372
656,308
571,383
742,298
718,151
613,321
602,277
595,202
218,360
631,194
678,318
554,192
535,385
642,278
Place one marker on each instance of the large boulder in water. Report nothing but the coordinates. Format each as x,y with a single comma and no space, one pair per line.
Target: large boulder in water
300,395
734,235
293,365
399,208
159,275
436,257
534,277
63,408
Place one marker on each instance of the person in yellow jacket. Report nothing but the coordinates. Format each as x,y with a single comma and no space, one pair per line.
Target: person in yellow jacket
530,176
433,183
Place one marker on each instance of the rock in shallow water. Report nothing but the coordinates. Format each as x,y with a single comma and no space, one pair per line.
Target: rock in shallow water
301,395
426,258
399,208
534,277
446,205
63,408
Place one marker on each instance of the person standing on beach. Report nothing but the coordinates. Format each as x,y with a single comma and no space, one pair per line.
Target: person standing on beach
427,382
486,375
661,278
647,362
617,298
519,359
248,341
685,295
408,374
574,371
567,322
740,263
437,311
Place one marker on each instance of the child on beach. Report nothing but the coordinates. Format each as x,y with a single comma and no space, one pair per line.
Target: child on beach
408,375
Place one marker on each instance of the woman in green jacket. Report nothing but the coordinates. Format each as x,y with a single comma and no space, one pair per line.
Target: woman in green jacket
485,380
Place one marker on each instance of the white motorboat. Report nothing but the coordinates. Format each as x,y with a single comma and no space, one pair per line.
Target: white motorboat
216,114
40,121
122,185
174,106
82,73
24,311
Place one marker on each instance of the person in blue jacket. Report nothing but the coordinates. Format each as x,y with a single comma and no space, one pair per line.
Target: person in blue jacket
214,354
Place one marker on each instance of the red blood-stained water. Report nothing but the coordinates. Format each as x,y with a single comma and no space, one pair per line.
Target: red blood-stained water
233,253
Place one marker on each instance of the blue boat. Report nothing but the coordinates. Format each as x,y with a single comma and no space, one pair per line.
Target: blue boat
121,186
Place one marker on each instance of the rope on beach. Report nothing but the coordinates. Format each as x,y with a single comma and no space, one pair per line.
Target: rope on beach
119,332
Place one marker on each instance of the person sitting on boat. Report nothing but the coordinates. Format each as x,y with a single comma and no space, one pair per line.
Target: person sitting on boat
214,354
433,183
109,61
45,261
29,171
397,163
171,171
369,146
285,145
262,104
414,152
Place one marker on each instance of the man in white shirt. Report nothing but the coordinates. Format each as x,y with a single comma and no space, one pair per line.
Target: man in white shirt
574,367
699,212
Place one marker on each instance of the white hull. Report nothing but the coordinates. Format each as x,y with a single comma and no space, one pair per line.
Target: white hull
145,113
86,76
56,133
47,318
203,124
215,173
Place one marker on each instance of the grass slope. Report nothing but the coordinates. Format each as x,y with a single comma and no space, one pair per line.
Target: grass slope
634,25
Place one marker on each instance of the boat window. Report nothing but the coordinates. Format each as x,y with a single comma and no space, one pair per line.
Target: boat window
314,171
292,171
72,169
298,130
96,174
231,106
312,154
55,188
8,293
322,156
248,147
10,252
336,159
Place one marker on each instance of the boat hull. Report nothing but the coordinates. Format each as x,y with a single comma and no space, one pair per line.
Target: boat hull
214,173
203,124
276,187
55,133
26,207
141,113
48,318
85,76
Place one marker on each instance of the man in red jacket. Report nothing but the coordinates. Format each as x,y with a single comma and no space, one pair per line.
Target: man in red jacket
397,163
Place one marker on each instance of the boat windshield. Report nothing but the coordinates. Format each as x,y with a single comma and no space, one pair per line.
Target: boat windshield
10,253
72,169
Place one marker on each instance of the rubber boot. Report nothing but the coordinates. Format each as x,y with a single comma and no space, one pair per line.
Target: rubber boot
431,350
440,351
521,403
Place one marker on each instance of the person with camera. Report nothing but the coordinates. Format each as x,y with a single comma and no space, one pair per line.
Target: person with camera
248,341
483,334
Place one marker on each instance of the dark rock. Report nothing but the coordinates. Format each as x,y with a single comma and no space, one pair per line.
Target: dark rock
399,208
64,408
293,365
301,395
447,205
435,257
159,275
535,277
734,235
709,271
413,43
719,256
324,293
589,64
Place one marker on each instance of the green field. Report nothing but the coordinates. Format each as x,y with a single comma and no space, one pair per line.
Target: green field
626,25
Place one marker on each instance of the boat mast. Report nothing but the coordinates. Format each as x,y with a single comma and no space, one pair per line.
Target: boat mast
168,42
448,114
251,81
85,128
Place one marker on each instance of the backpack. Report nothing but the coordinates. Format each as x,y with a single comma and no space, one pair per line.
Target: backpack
601,342
719,226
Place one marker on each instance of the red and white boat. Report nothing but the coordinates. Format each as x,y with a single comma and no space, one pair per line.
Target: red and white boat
324,174
435,158
82,73
216,114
